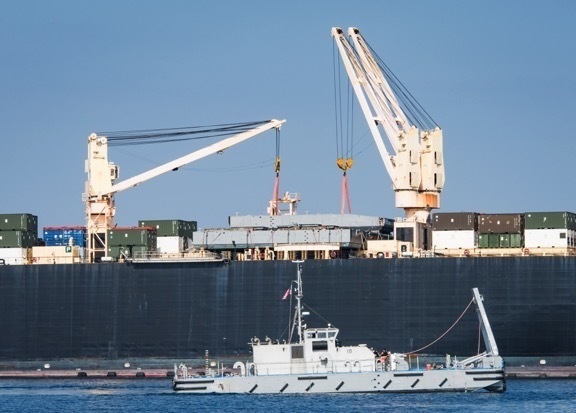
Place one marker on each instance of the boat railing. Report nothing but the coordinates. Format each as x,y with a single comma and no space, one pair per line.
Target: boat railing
200,255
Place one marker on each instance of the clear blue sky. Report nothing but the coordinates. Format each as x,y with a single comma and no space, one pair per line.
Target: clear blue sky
498,76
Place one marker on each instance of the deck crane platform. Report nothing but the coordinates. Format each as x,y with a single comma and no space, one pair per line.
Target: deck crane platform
102,174
416,166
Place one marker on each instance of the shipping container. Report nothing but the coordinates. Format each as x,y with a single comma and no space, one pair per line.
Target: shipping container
455,221
171,227
493,240
548,238
550,220
58,236
17,239
500,240
169,245
19,222
504,240
132,236
500,223
516,240
454,239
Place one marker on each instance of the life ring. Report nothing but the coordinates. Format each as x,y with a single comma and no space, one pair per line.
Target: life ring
333,254
526,251
467,252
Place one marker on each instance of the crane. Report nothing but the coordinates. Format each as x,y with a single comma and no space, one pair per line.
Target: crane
102,174
416,165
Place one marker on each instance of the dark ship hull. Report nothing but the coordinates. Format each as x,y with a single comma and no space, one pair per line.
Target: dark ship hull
180,310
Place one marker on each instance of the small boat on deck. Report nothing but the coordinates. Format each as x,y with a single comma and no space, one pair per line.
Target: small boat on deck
317,363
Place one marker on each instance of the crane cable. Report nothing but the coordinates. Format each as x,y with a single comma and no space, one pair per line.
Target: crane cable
344,138
274,210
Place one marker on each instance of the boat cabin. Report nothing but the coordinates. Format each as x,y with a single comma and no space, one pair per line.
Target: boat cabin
319,352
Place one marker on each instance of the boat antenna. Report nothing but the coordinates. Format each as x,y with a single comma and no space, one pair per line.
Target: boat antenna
299,296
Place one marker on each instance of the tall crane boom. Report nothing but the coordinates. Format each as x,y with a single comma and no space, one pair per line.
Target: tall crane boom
100,186
416,166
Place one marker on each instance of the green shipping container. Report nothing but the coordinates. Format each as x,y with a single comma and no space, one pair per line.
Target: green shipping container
19,222
504,240
132,236
550,220
493,240
483,240
516,241
171,227
17,239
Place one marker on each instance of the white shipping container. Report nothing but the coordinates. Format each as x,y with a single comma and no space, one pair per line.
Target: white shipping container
170,245
548,238
14,256
454,239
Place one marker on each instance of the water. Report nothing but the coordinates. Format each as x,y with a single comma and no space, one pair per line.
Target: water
154,395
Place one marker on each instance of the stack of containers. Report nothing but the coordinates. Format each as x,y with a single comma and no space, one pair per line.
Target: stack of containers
173,235
455,230
131,242
18,233
59,236
501,230
550,230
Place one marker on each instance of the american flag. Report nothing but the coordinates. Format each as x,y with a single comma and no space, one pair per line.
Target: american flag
287,293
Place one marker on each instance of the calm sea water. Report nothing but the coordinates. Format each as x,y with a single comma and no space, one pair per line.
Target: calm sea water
153,395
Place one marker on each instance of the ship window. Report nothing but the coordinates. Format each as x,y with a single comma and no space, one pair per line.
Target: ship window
322,335
332,334
562,235
319,345
405,234
297,352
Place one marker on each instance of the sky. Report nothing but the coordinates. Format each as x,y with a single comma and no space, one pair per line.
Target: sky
499,77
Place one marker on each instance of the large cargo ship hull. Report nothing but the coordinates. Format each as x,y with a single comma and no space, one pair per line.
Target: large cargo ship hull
180,310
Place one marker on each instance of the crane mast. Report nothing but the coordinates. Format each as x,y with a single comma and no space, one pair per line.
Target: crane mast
102,175
416,165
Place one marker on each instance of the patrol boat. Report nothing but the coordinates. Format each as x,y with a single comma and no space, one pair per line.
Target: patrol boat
318,363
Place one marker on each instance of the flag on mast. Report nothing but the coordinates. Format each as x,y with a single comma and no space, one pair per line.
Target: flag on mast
287,293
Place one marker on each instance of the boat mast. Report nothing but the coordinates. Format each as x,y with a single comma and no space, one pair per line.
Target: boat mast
298,304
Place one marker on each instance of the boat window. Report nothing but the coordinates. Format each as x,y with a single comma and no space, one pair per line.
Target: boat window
297,352
319,345
322,335
332,334
310,335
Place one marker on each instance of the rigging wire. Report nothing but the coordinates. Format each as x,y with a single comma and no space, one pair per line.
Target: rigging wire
446,332
152,136
414,110
317,314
